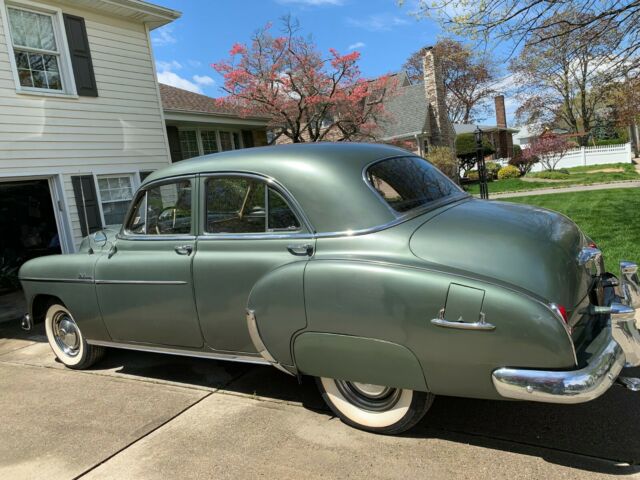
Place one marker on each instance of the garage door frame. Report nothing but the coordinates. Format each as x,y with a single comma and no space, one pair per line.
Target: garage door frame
58,200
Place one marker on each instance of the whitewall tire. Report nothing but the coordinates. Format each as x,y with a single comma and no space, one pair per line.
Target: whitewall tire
375,408
66,339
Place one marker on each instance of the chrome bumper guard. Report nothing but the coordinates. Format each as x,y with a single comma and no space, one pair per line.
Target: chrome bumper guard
26,323
616,347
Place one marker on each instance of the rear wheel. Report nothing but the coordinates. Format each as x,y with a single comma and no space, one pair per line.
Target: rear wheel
375,408
66,339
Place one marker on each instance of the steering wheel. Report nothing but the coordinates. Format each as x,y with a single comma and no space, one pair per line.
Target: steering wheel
171,211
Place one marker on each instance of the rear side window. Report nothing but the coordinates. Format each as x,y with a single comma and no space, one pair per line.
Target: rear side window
246,205
406,183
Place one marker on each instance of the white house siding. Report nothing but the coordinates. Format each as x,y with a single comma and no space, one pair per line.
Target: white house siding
120,131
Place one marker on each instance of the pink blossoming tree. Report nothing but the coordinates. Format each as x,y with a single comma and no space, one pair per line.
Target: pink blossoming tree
548,149
307,96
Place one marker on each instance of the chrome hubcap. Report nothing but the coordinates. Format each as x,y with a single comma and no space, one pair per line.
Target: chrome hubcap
66,334
375,398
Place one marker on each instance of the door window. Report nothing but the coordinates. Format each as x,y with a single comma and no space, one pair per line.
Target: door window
245,205
163,210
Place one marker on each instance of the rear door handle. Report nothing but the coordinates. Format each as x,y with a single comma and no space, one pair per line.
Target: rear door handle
184,249
300,249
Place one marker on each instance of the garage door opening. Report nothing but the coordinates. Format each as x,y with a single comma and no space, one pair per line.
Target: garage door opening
28,229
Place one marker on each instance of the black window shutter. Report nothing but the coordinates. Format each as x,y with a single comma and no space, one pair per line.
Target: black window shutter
247,138
84,190
174,143
80,56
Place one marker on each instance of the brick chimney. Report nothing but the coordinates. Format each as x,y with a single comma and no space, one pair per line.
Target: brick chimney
505,139
501,114
442,133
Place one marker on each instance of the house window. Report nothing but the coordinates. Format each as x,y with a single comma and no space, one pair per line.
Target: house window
36,49
116,193
225,141
189,144
209,142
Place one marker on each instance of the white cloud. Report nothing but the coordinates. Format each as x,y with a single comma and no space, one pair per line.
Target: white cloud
353,46
163,36
378,22
311,3
175,80
204,80
172,65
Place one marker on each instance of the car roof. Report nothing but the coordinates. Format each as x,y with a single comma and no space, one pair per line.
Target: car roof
324,178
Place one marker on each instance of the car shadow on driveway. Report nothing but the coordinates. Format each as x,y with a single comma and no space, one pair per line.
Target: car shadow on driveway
601,436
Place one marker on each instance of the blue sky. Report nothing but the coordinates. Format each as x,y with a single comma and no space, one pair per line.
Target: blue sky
384,33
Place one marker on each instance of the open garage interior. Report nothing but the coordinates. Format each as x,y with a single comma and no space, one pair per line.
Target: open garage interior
28,229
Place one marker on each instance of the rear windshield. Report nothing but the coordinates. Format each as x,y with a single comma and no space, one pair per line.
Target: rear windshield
406,183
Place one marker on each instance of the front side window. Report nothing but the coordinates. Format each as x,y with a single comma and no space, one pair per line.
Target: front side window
36,49
246,205
163,210
116,193
406,183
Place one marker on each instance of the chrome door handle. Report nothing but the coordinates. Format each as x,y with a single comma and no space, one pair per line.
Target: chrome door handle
302,249
479,325
184,249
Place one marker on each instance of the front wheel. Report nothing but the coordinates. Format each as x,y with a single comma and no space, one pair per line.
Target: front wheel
66,340
375,408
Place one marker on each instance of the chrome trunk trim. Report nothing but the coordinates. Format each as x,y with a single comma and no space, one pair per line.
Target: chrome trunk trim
590,256
259,345
230,357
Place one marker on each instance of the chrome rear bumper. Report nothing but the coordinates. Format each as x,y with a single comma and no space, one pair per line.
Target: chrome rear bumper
617,346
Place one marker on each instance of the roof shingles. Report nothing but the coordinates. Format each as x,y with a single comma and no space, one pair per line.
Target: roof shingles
181,100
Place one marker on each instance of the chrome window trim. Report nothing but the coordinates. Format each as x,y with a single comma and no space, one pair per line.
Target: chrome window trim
155,238
418,210
270,182
392,223
185,353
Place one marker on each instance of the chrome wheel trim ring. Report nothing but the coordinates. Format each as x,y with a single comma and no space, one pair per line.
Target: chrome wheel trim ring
374,398
66,333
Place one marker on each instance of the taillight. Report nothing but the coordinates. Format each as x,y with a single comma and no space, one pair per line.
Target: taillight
561,311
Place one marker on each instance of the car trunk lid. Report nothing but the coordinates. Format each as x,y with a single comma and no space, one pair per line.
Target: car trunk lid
530,248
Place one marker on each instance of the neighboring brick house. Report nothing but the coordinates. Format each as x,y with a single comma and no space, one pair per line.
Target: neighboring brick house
198,125
418,116
418,113
499,135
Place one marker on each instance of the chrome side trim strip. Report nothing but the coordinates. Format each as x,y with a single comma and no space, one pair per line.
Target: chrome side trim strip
140,282
259,345
185,353
60,280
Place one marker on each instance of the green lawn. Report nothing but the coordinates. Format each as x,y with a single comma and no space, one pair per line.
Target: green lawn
577,176
610,217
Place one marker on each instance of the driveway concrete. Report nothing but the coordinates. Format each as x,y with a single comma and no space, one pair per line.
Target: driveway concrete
138,415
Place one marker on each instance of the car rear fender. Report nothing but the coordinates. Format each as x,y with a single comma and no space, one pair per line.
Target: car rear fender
277,305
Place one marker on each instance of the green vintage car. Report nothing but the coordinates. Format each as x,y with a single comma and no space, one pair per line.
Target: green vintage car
360,265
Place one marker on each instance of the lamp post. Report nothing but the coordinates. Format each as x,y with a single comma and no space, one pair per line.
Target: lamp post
482,170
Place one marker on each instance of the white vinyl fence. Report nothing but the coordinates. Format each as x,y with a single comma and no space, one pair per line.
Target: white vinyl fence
585,156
